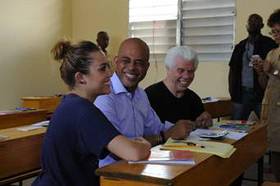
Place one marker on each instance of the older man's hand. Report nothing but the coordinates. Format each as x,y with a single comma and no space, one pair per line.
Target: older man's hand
180,130
204,120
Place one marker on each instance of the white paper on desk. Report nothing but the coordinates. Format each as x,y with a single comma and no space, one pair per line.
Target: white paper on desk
210,99
42,123
2,137
235,135
253,118
29,128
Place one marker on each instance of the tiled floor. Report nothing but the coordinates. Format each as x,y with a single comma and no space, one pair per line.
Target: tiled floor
250,173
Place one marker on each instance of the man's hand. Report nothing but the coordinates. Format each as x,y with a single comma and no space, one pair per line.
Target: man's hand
180,130
204,120
258,66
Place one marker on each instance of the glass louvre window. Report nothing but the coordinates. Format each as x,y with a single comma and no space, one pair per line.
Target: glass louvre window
205,25
155,22
208,27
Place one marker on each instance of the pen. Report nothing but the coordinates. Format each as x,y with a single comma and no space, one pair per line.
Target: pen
188,143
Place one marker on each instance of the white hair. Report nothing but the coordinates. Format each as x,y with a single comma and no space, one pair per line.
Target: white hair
184,52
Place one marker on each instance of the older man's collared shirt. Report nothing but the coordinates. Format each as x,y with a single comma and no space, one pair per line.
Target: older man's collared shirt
130,113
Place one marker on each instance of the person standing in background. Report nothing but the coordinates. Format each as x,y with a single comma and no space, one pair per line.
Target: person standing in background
247,80
271,102
103,41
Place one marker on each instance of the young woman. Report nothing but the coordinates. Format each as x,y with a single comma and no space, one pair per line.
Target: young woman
271,101
79,134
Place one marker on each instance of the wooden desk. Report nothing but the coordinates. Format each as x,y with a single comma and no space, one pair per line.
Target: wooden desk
220,108
20,153
41,102
19,118
209,170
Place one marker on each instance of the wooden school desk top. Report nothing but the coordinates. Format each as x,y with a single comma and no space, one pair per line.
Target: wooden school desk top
9,119
42,102
208,170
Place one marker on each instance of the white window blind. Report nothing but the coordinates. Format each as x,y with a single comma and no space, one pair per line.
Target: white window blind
205,25
208,27
155,22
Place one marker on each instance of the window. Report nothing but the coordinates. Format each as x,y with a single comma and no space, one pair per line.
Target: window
155,22
208,27
205,25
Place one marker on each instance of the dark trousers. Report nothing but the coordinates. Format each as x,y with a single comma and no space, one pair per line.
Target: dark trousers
241,111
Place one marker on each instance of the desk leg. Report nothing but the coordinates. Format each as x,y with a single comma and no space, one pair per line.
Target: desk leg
260,171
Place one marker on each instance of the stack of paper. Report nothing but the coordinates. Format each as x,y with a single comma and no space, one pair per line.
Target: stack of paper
223,150
243,122
242,128
29,128
209,99
235,135
236,129
158,156
34,126
42,123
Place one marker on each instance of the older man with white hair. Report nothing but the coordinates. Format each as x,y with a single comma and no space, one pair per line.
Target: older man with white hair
171,98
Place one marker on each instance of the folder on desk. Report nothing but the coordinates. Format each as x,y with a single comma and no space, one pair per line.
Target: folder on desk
223,150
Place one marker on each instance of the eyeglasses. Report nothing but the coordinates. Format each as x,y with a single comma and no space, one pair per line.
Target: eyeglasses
274,32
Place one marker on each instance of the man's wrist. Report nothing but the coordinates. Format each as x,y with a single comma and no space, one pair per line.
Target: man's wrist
162,137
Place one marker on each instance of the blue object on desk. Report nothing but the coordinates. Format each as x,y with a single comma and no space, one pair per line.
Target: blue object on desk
24,109
236,127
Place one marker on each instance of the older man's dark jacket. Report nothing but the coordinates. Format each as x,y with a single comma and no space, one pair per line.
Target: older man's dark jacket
261,47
